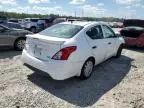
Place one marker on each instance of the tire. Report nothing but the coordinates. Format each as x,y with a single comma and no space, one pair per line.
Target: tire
87,69
19,44
33,29
119,51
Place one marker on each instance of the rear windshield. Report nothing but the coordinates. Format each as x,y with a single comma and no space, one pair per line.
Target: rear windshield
62,30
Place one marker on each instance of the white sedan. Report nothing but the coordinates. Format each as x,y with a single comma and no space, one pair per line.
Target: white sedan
71,49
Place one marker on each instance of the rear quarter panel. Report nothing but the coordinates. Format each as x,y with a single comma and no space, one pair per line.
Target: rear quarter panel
83,51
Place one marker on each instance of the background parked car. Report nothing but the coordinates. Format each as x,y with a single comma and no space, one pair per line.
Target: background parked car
75,20
12,25
13,37
13,20
48,21
134,36
36,24
41,25
2,20
59,20
31,24
133,22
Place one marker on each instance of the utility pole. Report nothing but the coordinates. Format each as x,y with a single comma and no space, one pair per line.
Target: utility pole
75,14
82,12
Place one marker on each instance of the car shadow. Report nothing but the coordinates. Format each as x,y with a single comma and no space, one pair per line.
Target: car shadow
8,52
137,49
85,93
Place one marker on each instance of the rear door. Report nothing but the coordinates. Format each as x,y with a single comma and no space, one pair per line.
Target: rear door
97,44
110,38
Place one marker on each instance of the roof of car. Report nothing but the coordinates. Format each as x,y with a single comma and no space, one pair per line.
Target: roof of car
82,23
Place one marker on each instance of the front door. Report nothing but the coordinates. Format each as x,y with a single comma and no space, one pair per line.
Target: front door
110,38
4,37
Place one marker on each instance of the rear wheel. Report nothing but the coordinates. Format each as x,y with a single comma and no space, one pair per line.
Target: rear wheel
87,69
19,44
119,51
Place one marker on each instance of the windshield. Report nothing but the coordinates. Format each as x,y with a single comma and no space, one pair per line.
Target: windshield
62,30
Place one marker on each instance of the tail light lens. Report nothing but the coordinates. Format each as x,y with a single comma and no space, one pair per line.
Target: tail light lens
64,53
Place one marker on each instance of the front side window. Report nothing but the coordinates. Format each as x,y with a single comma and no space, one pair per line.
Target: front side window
62,30
108,33
95,32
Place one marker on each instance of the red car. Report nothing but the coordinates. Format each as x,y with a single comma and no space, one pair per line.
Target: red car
134,36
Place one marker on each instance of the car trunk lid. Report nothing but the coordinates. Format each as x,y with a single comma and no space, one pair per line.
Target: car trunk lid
43,47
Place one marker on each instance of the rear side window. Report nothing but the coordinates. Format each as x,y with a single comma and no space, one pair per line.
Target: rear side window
62,30
95,32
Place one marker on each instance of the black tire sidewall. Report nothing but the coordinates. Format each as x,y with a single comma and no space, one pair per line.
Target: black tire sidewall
119,51
83,76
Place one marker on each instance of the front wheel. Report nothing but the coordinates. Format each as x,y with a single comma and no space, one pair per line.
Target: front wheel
19,44
87,69
119,51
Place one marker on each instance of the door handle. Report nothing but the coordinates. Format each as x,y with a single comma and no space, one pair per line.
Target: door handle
109,43
94,47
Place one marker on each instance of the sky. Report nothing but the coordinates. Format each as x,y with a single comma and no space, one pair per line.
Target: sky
85,8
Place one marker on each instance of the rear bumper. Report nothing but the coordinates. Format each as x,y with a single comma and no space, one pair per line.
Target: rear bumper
58,70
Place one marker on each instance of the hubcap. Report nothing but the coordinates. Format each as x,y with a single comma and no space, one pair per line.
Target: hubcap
21,44
88,68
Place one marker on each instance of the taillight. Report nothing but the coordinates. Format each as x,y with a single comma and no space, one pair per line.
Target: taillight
64,53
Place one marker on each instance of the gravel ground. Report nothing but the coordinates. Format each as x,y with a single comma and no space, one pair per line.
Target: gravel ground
116,83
